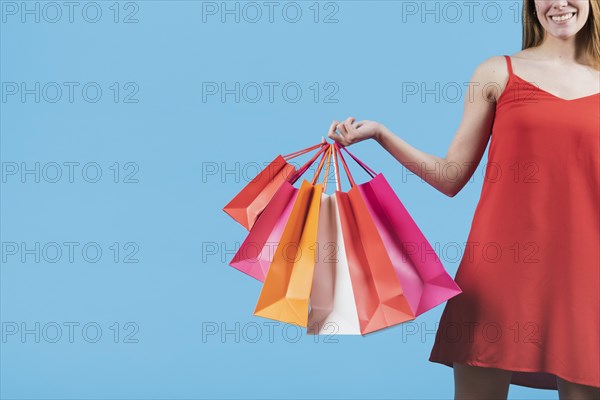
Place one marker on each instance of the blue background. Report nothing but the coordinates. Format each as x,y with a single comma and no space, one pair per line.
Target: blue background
166,205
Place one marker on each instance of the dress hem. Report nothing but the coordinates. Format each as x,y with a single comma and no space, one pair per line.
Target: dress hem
474,363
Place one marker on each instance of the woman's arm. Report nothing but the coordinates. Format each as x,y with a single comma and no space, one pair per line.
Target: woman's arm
467,146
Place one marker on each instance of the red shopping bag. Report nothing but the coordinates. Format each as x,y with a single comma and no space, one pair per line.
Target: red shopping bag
422,275
249,203
378,293
256,252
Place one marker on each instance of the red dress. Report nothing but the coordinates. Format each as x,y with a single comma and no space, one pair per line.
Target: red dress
530,271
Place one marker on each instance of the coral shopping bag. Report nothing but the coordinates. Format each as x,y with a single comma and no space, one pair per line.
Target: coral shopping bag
247,205
424,280
332,305
379,295
285,293
256,252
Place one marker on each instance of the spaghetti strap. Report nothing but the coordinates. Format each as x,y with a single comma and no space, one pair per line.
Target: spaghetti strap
509,65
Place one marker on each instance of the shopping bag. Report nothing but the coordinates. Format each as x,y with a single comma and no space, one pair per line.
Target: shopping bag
249,203
332,308
286,290
424,279
378,293
256,252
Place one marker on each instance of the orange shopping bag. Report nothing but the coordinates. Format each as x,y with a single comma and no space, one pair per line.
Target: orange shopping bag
285,294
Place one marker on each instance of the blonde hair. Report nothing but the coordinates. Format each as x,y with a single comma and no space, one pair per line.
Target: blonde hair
587,39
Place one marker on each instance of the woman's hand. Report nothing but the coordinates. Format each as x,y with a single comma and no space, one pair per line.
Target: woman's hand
351,131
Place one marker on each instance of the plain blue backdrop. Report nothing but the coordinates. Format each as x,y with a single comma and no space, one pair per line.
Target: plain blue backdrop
127,126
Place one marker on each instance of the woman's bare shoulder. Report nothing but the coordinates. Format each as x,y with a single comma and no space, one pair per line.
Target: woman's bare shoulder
491,75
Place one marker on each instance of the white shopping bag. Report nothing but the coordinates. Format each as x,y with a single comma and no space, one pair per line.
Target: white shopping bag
332,306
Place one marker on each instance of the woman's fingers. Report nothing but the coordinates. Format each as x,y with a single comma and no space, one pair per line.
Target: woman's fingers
332,133
348,124
346,129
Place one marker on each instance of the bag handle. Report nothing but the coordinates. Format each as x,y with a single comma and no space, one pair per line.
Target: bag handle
338,183
326,177
369,170
326,160
303,151
319,167
295,176
348,174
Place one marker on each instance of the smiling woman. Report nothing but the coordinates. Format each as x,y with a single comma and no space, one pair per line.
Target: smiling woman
578,20
529,309
535,317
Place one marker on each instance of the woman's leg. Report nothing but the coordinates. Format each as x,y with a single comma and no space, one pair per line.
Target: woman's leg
573,391
479,383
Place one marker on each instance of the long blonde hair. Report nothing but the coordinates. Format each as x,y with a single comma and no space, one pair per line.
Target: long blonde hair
587,39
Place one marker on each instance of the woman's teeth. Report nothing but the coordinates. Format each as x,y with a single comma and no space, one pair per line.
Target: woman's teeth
560,18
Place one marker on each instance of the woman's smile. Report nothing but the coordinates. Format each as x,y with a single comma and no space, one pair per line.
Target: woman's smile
563,18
